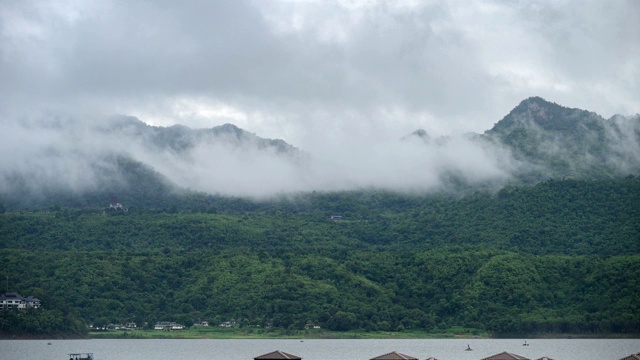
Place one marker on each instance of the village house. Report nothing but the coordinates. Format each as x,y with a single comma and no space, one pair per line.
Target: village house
17,301
229,323
168,325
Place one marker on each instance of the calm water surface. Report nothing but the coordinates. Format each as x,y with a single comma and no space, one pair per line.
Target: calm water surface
572,349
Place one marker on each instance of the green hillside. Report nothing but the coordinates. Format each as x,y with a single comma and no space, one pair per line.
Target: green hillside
562,256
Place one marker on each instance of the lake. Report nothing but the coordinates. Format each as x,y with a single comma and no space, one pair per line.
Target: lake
208,349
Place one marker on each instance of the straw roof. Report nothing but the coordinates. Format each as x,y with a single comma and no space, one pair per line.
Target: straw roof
505,356
278,355
394,356
632,357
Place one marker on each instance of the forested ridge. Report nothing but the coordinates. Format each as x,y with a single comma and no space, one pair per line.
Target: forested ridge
561,256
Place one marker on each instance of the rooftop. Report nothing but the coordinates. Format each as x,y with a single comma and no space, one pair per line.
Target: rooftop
394,356
278,355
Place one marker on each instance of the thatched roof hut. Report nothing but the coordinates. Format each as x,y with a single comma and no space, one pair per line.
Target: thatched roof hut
277,355
632,357
505,356
394,356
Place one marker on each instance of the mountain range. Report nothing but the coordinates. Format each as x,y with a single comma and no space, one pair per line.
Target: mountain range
80,164
529,228
180,138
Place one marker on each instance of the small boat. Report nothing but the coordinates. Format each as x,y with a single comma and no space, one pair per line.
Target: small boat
81,356
48,343
468,348
525,343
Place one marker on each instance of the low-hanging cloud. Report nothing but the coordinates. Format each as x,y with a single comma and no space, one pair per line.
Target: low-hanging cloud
337,79
78,156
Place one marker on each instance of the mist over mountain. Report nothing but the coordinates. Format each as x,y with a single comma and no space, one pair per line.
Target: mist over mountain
555,141
182,139
55,159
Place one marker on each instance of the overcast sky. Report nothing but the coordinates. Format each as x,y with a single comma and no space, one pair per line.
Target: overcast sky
298,70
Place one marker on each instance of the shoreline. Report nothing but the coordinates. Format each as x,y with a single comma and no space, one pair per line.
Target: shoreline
301,335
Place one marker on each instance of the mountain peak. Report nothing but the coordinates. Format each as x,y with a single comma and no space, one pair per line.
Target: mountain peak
124,121
421,133
536,100
538,109
228,127
231,130
537,112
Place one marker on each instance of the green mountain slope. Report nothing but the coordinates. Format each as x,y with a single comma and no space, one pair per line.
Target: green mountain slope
555,248
558,257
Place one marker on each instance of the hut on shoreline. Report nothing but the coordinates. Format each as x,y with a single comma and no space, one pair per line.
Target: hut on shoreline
632,357
277,355
394,355
505,356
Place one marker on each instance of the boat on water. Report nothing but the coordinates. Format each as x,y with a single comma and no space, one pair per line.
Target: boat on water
81,356
525,343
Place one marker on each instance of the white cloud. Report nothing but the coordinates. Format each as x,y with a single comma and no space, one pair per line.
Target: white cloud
317,73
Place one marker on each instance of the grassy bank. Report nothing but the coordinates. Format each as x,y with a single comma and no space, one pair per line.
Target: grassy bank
256,333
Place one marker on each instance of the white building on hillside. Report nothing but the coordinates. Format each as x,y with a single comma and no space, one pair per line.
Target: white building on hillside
17,301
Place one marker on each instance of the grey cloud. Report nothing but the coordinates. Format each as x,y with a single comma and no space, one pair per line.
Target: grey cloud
436,58
326,75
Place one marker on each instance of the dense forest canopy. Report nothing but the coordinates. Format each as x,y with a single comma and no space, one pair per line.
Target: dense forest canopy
561,256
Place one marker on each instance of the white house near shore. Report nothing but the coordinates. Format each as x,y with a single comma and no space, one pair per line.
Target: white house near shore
168,325
17,301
